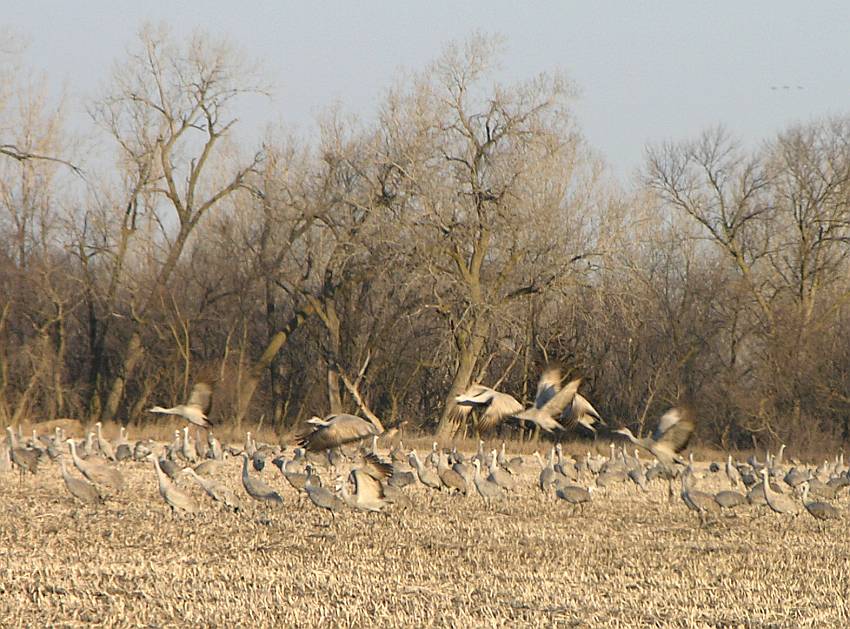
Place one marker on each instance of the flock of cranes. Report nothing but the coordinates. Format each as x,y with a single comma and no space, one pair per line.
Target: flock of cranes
338,464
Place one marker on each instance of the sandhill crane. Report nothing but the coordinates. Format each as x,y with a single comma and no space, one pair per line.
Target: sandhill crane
174,497
427,476
321,497
368,492
103,445
494,406
547,471
550,401
217,491
195,409
820,489
670,437
83,491
575,495
612,477
498,475
513,465
698,501
819,510
730,499
565,466
215,451
581,412
25,460
732,472
170,468
296,479
122,448
778,502
335,431
448,476
187,448
256,488
433,456
401,478
485,487
207,467
795,477
99,474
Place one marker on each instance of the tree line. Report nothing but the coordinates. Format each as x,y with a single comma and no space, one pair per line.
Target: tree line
466,232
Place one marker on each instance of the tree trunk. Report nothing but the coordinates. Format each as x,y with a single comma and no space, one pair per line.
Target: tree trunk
469,351
116,391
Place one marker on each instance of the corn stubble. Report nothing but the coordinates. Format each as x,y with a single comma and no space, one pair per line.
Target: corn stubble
631,559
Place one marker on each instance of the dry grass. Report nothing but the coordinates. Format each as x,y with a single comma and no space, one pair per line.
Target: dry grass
629,560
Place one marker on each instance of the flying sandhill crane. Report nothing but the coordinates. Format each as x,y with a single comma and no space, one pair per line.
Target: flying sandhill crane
335,431
83,491
575,495
486,488
669,438
427,476
819,510
550,401
174,497
195,409
494,406
103,444
368,492
777,502
217,491
26,460
97,473
581,412
256,488
321,497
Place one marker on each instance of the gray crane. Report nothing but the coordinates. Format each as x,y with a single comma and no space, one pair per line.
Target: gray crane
196,407
500,476
819,510
368,492
321,497
550,401
177,499
427,476
256,488
669,438
575,495
217,491
97,473
493,406
187,448
82,490
732,472
699,501
25,460
296,479
512,465
485,487
335,431
581,412
730,499
106,449
778,502
547,471
449,477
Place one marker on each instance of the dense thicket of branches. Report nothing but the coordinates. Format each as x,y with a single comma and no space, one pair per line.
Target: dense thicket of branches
466,234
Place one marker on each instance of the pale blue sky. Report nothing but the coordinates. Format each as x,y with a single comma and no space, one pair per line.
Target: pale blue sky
647,71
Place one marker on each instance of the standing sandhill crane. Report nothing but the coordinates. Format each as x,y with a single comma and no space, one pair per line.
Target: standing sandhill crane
187,447
256,488
433,457
26,460
730,499
698,501
513,465
322,497
103,445
819,510
83,491
777,502
217,491
670,437
215,451
547,471
178,500
99,474
550,401
495,406
368,492
449,477
581,412
335,431
296,479
195,409
498,475
732,472
485,487
574,495
122,447
427,476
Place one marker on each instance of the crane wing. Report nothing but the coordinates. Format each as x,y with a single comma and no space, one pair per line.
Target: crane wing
674,430
338,431
555,406
501,406
201,397
366,487
547,387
